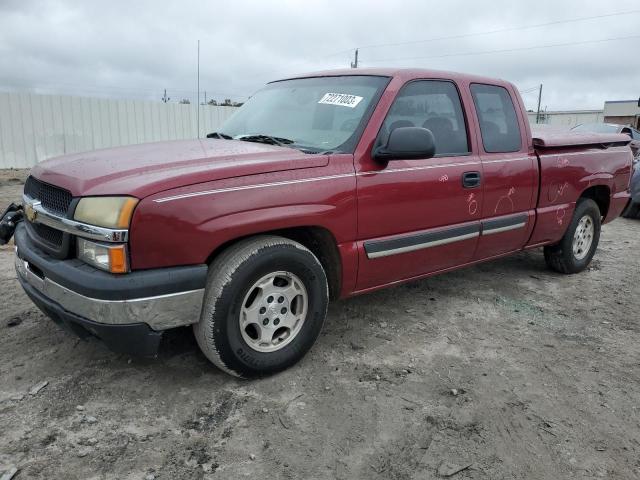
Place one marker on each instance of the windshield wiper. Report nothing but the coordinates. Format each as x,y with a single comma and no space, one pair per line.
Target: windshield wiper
282,142
219,135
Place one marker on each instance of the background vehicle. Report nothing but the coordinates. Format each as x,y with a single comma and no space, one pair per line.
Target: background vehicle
321,186
613,128
633,208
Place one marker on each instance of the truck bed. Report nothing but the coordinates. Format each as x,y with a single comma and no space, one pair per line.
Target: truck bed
572,163
544,139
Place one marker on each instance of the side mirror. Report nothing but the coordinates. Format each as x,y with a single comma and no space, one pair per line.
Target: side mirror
407,143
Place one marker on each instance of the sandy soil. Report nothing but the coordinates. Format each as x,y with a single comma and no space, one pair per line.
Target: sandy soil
507,369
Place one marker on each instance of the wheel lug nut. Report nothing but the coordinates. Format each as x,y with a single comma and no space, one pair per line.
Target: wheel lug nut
262,310
280,299
283,311
265,321
270,299
276,321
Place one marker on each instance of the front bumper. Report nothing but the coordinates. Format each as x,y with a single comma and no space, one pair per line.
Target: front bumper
135,338
140,304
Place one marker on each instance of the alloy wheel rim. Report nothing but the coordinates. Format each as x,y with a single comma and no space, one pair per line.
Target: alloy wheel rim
583,237
273,311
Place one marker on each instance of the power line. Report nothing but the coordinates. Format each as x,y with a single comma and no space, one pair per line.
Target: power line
506,50
490,32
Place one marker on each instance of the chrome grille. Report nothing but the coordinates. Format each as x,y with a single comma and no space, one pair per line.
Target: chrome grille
52,198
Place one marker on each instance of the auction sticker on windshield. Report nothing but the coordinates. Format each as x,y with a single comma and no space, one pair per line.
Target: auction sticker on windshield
341,99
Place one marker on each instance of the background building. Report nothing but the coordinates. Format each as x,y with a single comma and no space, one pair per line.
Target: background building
622,112
36,127
567,118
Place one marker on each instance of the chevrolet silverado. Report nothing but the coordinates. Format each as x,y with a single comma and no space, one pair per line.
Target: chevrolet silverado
321,186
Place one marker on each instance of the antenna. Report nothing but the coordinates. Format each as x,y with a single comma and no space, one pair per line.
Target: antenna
198,101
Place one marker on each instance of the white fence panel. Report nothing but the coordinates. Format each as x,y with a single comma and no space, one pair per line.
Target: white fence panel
36,127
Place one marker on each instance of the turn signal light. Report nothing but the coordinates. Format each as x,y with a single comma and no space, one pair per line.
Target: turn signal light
112,258
118,259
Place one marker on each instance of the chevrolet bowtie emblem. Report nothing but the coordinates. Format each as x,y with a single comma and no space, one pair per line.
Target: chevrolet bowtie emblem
30,212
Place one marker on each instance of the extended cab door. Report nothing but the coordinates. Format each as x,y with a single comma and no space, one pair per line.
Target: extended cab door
419,216
510,171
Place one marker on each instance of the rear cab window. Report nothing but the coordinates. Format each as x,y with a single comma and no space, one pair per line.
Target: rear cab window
431,104
497,117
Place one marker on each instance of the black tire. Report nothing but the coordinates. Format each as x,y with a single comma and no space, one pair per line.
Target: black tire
632,210
231,276
560,257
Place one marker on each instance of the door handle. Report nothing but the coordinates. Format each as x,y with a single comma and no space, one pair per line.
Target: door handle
471,179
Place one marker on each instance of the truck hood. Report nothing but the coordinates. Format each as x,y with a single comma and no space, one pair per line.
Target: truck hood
145,169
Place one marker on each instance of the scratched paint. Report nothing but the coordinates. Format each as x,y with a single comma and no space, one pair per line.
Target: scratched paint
472,203
556,191
505,202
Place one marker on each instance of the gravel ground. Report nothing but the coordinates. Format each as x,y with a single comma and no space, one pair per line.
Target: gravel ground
503,370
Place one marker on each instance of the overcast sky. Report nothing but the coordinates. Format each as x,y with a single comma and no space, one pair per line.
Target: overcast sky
135,49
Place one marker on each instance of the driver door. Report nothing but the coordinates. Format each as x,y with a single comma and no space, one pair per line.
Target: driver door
420,216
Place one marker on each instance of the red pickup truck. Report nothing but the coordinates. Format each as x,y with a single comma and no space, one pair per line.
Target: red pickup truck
320,187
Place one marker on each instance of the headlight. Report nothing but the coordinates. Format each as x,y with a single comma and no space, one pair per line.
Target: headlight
112,258
110,212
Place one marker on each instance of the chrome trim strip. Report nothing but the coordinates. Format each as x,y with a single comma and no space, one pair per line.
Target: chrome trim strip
570,154
305,180
505,160
251,187
411,169
443,165
160,312
327,177
491,231
45,217
420,246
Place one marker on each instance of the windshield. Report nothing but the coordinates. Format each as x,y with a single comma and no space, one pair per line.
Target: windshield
316,114
596,128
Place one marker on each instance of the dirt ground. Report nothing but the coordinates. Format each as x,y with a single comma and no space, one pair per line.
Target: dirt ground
504,370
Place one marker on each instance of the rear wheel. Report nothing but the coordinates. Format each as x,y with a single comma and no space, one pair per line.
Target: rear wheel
578,245
265,304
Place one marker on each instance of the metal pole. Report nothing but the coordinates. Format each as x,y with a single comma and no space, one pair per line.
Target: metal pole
539,100
354,64
198,101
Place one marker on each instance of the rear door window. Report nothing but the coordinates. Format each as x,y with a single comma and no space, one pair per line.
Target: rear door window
498,119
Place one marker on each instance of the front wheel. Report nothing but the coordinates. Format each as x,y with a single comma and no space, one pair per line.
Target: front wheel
265,303
578,245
